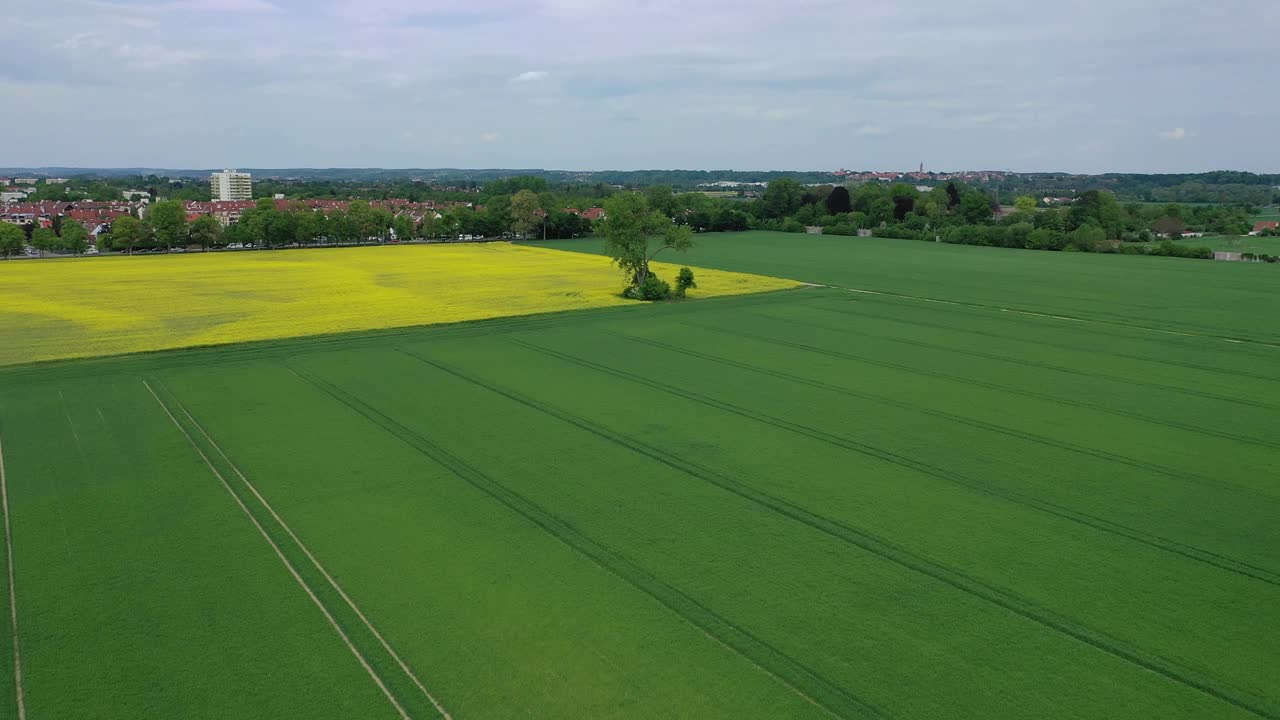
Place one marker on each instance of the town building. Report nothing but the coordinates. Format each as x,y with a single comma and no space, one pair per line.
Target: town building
231,185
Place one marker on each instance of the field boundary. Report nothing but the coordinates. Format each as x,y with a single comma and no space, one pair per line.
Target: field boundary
324,572
217,354
786,670
886,550
284,560
13,596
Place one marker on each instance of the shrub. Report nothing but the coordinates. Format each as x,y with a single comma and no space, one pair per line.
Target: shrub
654,288
1169,248
1087,238
902,233
839,230
684,281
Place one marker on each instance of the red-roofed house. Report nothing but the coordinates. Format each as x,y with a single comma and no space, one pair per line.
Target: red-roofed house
594,213
1261,225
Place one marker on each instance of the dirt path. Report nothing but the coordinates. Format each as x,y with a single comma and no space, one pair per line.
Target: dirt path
13,599
288,565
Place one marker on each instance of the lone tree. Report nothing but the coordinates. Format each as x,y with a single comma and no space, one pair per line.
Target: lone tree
629,225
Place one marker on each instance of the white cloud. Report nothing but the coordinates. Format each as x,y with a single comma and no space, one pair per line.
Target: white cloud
530,76
234,6
628,88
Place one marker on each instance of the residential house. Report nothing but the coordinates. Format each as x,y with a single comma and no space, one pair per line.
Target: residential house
1272,225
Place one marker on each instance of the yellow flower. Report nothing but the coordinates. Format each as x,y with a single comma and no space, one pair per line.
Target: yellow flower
111,305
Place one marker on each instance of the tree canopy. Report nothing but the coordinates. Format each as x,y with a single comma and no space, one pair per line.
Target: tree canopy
168,221
11,239
629,226
74,237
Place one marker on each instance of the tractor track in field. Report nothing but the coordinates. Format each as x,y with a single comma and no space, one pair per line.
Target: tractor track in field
1059,346
284,560
879,547
1172,546
1260,442
404,667
1155,468
1073,371
13,596
1032,319
1086,374
793,674
1032,313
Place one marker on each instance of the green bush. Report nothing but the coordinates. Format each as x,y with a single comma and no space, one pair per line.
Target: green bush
684,281
1169,248
654,288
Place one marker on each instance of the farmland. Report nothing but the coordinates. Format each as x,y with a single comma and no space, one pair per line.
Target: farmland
112,305
1174,295
1235,243
989,483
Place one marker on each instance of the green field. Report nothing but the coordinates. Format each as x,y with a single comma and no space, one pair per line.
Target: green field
1235,243
924,499
1174,294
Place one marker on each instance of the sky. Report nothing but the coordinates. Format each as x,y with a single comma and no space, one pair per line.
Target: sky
1076,86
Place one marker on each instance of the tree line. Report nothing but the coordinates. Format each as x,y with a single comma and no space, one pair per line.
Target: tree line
1220,187
265,225
1095,221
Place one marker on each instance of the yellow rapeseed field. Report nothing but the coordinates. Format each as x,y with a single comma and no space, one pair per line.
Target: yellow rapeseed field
105,306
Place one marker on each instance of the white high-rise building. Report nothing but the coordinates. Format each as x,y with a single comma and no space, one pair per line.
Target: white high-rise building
231,185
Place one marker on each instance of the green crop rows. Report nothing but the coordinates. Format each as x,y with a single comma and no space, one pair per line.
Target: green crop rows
808,503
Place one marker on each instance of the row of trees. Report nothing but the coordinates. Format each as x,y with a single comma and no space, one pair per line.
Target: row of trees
69,236
954,213
265,225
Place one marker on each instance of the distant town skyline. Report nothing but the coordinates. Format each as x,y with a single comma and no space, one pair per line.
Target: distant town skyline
1084,87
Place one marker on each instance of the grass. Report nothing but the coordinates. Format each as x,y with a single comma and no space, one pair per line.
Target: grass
1227,243
789,505
101,306
1173,294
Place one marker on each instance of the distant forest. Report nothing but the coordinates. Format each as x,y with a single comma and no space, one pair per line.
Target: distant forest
1219,187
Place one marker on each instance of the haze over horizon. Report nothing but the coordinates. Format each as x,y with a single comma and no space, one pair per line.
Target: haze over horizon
1141,86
